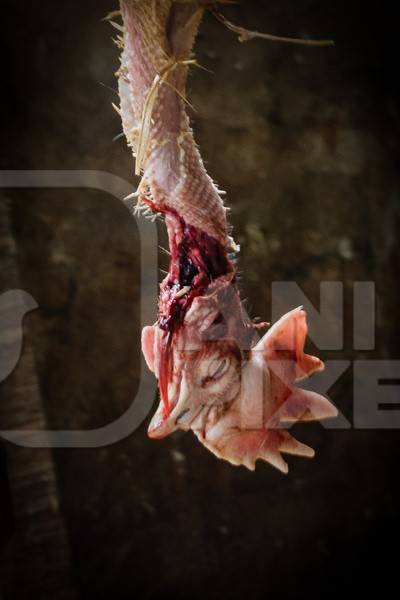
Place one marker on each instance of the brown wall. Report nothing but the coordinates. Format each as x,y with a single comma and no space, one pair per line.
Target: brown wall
305,141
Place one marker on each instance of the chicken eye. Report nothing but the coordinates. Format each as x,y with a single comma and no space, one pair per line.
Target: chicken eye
218,368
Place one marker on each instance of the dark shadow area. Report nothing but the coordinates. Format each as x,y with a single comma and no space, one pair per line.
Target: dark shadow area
306,143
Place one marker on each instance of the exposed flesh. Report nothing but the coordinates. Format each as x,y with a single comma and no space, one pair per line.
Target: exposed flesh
214,377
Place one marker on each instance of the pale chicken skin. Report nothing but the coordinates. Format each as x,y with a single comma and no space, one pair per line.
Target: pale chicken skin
237,394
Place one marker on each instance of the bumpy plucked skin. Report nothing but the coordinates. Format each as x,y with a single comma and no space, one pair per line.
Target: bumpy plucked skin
233,393
159,34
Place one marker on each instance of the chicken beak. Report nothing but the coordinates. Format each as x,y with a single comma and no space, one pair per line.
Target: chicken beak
160,425
180,416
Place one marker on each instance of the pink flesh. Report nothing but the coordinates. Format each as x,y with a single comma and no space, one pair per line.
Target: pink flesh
196,260
232,395
172,167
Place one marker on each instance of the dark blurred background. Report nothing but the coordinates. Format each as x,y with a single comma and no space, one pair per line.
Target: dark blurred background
306,142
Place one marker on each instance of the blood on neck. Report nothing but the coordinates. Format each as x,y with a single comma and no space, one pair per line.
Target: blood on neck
197,259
